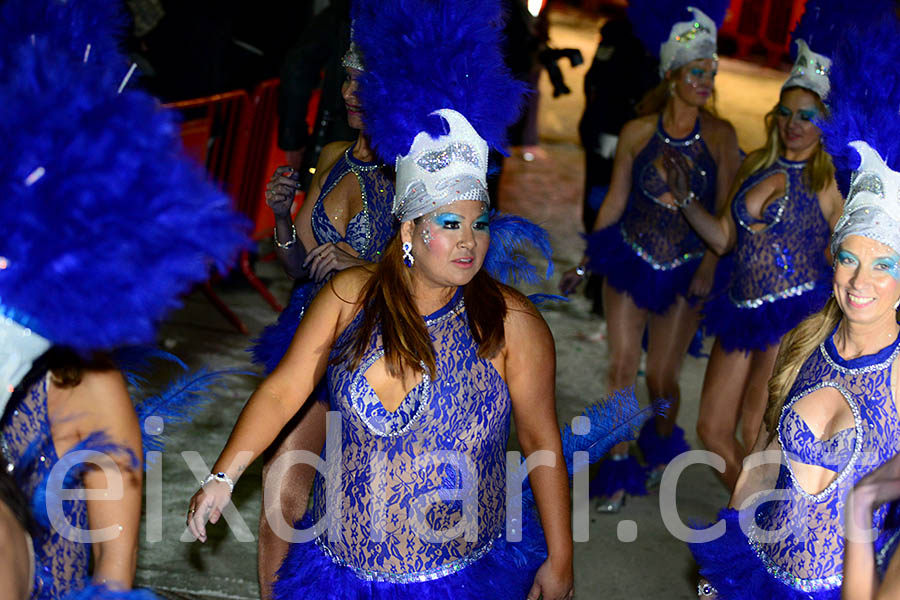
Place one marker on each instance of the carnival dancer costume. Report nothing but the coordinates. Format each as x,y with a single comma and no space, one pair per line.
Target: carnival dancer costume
778,273
105,222
368,232
805,561
652,252
437,94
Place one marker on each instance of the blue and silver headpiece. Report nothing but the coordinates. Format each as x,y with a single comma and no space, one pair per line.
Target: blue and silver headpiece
103,220
862,133
437,94
666,27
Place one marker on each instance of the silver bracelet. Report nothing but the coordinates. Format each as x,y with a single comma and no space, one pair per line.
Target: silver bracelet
690,198
220,476
580,271
704,589
286,245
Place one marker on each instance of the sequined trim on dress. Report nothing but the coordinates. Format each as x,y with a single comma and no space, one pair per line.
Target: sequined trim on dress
886,548
457,309
797,290
658,266
357,168
421,394
857,446
789,164
787,578
867,369
412,577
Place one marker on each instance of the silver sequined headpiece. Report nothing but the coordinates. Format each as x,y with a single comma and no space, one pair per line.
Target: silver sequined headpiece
688,40
439,171
353,58
810,71
873,204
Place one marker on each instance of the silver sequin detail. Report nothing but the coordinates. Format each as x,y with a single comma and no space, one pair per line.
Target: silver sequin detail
866,182
422,393
797,290
788,578
658,266
857,448
886,549
440,159
868,369
412,577
679,143
457,309
357,168
790,165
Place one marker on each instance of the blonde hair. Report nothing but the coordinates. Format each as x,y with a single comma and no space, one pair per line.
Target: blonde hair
818,172
796,346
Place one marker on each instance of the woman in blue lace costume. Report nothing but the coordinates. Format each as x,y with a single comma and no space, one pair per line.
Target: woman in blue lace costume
831,418
347,222
45,420
782,211
415,498
654,263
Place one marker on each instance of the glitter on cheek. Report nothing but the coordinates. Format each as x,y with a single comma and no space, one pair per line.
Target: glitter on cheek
427,236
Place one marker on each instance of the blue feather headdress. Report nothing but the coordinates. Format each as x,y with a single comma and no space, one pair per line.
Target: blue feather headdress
824,22
865,97
425,55
652,20
104,220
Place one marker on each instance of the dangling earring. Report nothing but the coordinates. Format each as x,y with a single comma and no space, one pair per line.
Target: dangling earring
897,304
408,259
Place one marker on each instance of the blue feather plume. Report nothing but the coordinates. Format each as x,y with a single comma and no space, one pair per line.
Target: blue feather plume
652,20
824,22
509,236
865,96
614,420
102,592
424,55
89,31
178,402
135,362
105,220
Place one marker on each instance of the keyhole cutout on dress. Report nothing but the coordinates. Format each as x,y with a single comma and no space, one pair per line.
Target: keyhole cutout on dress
343,202
389,390
659,165
761,196
830,429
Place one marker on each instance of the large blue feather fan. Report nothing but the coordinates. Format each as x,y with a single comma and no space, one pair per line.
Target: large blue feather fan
424,55
510,235
104,219
865,96
824,22
652,20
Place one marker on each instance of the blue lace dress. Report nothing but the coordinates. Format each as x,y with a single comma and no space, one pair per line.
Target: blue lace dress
420,492
368,232
779,273
806,560
61,564
652,253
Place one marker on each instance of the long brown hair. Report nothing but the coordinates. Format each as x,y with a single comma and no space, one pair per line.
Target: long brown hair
387,303
67,367
818,172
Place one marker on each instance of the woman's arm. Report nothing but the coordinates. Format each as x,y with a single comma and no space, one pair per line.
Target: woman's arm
293,255
281,395
100,404
530,368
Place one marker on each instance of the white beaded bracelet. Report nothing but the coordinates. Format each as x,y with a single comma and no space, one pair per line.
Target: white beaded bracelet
286,245
220,476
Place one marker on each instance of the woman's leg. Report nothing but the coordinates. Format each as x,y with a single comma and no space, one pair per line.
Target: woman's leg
720,408
306,431
756,394
625,327
669,339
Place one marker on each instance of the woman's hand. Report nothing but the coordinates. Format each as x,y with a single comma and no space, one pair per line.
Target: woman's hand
678,175
570,280
328,258
702,282
206,505
280,190
552,582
